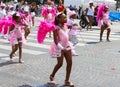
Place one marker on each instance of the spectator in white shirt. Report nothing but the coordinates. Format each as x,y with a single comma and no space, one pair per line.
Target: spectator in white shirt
15,5
90,14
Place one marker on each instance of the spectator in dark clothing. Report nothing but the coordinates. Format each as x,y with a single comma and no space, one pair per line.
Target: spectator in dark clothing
80,11
95,10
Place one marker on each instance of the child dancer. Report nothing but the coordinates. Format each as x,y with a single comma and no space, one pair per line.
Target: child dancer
49,18
103,21
49,15
2,11
32,10
73,28
16,37
61,48
11,10
28,22
2,15
8,22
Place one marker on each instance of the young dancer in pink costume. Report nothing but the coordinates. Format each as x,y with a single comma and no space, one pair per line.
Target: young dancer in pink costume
16,37
61,48
103,20
10,10
73,26
2,15
49,13
28,22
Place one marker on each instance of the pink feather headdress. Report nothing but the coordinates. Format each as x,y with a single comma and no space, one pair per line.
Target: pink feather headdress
44,11
100,12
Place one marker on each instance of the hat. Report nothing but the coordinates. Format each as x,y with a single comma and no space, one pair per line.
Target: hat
10,6
107,6
3,4
90,2
49,7
15,0
71,13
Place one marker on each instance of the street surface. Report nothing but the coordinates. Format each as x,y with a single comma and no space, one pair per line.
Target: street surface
98,63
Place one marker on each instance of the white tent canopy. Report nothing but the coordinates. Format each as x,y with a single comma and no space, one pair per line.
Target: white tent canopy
76,3
85,3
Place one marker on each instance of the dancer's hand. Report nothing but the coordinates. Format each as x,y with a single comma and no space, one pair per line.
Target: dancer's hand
69,27
79,28
67,48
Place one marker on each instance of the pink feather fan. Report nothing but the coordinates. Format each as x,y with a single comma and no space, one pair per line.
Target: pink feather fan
43,29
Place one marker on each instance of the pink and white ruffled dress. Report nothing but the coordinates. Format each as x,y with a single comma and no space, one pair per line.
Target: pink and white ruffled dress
55,51
28,21
106,19
17,34
73,32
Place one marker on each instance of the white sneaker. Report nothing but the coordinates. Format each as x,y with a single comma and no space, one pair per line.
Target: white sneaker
5,37
20,61
75,54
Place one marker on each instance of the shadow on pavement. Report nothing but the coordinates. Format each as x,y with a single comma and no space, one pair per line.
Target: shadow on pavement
116,33
45,85
25,86
49,85
7,63
96,28
53,85
92,42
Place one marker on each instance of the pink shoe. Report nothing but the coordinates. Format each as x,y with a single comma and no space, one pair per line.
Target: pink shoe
20,61
52,81
68,83
74,54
